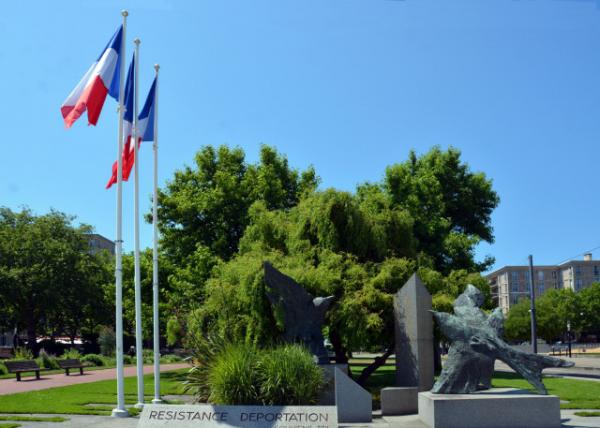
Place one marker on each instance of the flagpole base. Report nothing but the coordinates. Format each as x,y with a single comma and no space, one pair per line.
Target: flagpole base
120,413
157,401
139,406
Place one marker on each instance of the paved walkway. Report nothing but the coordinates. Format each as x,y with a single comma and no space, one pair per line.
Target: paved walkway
30,383
411,421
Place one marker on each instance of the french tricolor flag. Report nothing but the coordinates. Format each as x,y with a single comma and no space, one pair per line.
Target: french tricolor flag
101,79
145,126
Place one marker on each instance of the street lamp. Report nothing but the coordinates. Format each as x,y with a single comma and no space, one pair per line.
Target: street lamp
569,333
569,336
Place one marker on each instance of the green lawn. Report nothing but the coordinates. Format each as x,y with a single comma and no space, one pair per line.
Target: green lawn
11,425
579,394
75,399
33,419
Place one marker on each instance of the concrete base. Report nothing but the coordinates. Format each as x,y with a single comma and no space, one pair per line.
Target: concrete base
327,397
495,408
119,413
399,401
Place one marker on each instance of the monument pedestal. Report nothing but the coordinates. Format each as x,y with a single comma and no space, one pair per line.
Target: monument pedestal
494,408
399,401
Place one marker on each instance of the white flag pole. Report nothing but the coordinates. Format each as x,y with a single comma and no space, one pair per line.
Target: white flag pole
120,410
136,231
157,399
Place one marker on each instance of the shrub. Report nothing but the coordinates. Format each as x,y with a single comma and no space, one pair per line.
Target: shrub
106,340
94,359
288,375
3,369
148,355
170,358
71,353
127,359
46,360
22,353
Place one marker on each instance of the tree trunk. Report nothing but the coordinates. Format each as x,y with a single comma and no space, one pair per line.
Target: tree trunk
370,369
437,357
341,355
31,337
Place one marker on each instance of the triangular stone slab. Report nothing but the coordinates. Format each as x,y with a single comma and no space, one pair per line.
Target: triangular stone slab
414,335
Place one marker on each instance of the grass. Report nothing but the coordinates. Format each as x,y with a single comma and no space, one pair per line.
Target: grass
577,394
33,419
9,425
95,398
587,414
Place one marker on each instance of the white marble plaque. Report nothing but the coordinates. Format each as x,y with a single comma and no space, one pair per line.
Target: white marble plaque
207,416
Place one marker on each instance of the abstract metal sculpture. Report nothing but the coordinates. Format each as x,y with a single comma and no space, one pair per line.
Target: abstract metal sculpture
476,344
303,315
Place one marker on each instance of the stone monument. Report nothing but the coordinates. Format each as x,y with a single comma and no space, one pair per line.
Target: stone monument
476,343
303,318
414,349
414,335
459,396
303,315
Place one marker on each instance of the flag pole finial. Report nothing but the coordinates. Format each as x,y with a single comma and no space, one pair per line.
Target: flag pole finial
137,41
124,13
157,67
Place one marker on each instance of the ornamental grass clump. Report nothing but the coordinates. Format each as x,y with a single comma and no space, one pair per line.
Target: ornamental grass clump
288,375
242,374
233,377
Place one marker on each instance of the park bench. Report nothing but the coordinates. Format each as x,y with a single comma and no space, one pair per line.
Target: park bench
6,353
19,367
73,363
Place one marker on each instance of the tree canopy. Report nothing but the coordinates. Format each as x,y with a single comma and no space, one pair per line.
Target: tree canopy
207,205
553,310
50,282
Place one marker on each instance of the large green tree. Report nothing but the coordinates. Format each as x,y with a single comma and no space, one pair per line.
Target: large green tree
451,206
221,219
331,245
50,282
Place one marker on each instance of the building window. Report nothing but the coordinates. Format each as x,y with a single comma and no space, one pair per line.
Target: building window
553,274
577,270
578,284
540,274
596,270
541,288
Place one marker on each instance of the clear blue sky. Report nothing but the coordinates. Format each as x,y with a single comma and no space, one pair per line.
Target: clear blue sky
349,86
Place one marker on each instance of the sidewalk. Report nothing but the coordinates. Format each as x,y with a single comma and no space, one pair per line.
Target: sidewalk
585,368
29,383
569,420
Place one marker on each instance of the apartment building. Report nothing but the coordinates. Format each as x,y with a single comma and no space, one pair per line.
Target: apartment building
98,242
509,284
